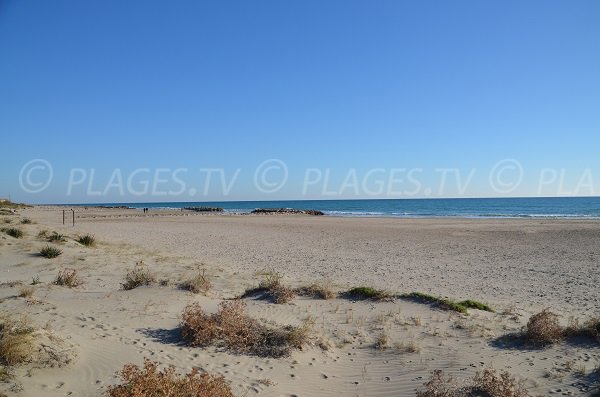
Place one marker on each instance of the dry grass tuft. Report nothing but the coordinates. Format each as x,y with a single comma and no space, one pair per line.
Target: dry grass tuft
25,292
150,381
382,341
543,328
238,332
271,288
488,383
199,284
138,276
68,278
15,341
317,291
26,221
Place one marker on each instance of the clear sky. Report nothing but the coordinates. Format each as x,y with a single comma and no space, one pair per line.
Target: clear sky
336,85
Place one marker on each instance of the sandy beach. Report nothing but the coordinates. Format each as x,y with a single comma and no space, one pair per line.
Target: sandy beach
519,267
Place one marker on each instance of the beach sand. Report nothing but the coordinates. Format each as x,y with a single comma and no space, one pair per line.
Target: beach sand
517,266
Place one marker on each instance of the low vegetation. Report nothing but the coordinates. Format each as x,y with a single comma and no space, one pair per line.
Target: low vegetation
543,328
239,333
56,238
87,240
138,276
442,303
382,341
364,293
14,232
150,381
198,284
15,341
50,252
68,278
472,304
11,205
271,288
317,291
26,221
25,292
488,383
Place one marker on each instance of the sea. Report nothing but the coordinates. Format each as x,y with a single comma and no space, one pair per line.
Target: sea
530,207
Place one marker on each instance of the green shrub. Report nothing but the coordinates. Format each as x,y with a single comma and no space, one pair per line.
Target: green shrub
471,304
14,232
363,293
50,252
87,239
442,303
56,238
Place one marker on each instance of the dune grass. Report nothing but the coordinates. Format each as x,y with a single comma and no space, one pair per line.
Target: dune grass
138,276
149,381
364,293
50,252
239,333
87,240
14,232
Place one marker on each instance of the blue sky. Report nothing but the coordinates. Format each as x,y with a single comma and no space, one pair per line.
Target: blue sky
336,85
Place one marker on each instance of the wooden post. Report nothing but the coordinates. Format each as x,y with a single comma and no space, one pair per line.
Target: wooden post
73,217
63,217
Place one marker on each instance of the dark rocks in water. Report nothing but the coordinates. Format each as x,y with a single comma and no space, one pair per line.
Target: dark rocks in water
204,209
286,211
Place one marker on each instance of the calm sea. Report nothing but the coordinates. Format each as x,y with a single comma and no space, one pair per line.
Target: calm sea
560,207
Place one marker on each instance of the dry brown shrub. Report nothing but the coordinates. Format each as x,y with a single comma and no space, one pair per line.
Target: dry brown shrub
543,328
197,327
488,383
151,382
240,333
440,386
493,384
139,275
